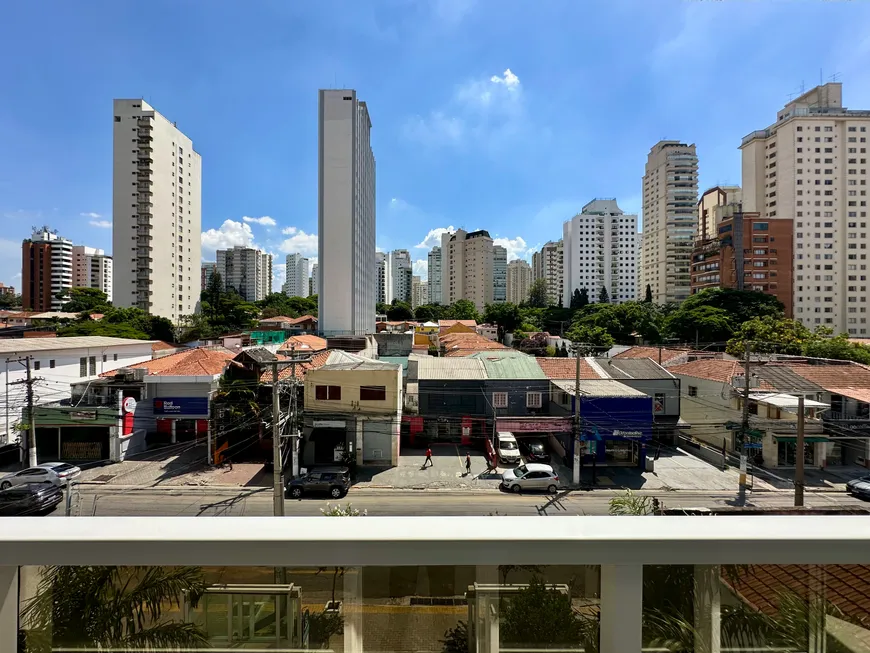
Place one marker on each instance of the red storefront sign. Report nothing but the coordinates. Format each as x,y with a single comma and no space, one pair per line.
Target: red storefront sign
534,424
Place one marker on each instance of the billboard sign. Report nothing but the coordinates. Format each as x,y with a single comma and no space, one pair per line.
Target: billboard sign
181,406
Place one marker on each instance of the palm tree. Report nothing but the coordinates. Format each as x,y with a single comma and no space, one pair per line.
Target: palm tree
112,607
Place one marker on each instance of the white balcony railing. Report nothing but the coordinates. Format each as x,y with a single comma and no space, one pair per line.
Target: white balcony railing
612,560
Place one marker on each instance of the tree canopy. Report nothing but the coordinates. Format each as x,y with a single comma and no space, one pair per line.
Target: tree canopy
505,315
538,294
79,300
462,309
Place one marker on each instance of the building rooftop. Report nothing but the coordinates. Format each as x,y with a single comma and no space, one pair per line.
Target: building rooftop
25,345
304,343
633,368
785,379
318,360
510,366
599,388
430,368
566,368
667,355
192,362
343,360
784,400
834,374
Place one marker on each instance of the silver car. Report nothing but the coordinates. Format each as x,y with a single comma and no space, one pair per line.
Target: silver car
58,474
531,476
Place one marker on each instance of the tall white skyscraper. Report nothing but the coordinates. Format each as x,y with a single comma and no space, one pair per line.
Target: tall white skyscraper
548,265
499,274
156,213
810,166
599,252
296,277
247,270
314,287
670,221
519,280
382,277
401,271
92,269
434,274
419,292
346,215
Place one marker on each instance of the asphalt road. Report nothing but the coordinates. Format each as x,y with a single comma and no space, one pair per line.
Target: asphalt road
105,501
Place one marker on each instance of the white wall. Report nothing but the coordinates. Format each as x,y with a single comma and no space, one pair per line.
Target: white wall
54,383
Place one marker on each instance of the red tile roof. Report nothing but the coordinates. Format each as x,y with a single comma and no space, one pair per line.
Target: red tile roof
834,375
304,343
159,345
464,344
318,360
566,368
653,353
708,368
302,318
192,362
278,318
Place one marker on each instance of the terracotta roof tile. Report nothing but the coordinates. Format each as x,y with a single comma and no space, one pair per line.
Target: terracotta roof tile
834,375
566,368
192,362
159,345
653,353
709,368
304,343
318,360
277,318
463,344
301,318
446,324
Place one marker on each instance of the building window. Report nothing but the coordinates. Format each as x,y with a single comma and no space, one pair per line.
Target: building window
93,365
83,366
51,364
693,391
115,357
104,358
36,365
327,392
373,393
533,400
499,399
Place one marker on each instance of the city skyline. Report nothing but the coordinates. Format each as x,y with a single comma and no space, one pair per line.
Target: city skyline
474,115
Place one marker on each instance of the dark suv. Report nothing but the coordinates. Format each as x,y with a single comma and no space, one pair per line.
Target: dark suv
534,450
331,481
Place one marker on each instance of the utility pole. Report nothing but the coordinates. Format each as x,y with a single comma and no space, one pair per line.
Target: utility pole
799,456
744,427
578,450
277,471
30,443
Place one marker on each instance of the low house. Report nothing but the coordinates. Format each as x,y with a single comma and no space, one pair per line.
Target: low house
461,344
428,327
353,407
489,331
304,343
449,394
58,362
457,326
291,325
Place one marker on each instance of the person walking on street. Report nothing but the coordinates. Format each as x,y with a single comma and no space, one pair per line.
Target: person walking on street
467,463
428,462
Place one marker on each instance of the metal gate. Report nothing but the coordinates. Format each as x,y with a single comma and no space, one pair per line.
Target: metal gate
377,442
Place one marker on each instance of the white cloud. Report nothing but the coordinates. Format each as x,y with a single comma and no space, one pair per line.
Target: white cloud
421,268
102,224
91,215
483,110
433,238
229,234
279,274
264,221
516,247
299,241
451,12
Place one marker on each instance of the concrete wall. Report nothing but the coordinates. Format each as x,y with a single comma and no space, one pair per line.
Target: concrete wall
350,382
394,344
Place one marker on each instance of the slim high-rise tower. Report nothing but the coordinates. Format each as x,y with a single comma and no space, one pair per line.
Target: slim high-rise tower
156,213
346,215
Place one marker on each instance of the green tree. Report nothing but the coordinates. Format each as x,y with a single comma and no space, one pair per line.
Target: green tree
741,305
89,327
583,298
399,311
648,294
837,348
275,304
770,334
154,326
78,300
603,296
593,338
8,300
122,608
575,299
506,316
212,293
462,309
381,308
429,312
538,294
702,324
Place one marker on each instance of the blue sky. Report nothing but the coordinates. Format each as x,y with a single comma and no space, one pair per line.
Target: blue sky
502,115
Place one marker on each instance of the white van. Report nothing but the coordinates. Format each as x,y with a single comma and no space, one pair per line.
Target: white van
507,449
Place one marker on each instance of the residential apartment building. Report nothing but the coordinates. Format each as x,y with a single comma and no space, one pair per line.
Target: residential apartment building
499,274
548,265
670,221
247,270
92,269
46,270
207,270
399,277
382,274
6,290
748,253
519,280
156,213
296,276
810,166
346,215
419,292
314,287
710,206
467,267
434,275
600,249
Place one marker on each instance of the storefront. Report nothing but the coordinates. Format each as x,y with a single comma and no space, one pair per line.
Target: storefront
615,431
181,419
76,435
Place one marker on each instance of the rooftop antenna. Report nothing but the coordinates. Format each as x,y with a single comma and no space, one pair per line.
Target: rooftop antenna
835,77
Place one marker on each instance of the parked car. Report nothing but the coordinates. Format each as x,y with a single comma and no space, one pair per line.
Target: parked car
29,499
58,474
859,487
331,481
531,476
534,450
506,448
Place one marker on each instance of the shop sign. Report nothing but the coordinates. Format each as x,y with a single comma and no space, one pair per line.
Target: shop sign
617,433
181,406
540,425
129,404
328,424
83,414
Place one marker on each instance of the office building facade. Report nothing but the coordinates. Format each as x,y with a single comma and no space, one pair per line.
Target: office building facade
434,275
296,276
246,270
499,274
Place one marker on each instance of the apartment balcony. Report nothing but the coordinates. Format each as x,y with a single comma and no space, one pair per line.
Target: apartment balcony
143,273
144,162
144,134
484,585
143,175
145,124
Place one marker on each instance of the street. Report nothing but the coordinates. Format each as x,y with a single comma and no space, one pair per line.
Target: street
107,501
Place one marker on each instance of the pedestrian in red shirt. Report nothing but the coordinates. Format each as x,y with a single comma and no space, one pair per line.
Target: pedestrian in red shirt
428,461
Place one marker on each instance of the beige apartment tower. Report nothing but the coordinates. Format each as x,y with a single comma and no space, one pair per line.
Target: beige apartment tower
519,281
156,213
548,265
670,221
467,267
810,166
